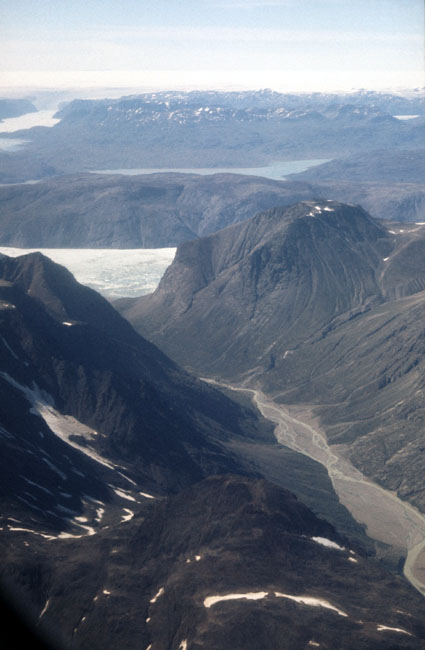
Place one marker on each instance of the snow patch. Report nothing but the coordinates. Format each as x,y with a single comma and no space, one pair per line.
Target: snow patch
183,645
383,628
312,602
123,494
44,608
212,600
328,542
27,530
405,117
148,496
62,426
129,515
352,559
157,595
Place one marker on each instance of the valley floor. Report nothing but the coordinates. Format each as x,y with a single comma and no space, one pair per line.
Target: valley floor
388,519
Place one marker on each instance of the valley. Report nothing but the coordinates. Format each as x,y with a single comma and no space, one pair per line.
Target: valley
387,518
223,448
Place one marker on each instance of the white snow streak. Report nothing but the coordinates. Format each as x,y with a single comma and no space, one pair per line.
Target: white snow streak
44,608
123,494
62,426
313,602
212,600
27,530
157,595
129,515
382,628
148,496
327,542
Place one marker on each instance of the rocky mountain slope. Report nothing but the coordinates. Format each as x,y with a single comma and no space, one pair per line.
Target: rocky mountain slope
69,353
286,274
148,211
85,396
162,210
384,165
230,562
317,304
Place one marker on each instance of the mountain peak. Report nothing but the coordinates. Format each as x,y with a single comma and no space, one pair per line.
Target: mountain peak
268,283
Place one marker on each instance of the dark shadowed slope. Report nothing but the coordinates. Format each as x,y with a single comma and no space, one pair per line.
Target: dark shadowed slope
65,347
85,396
230,563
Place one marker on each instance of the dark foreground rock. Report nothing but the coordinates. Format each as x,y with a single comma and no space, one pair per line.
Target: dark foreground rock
228,563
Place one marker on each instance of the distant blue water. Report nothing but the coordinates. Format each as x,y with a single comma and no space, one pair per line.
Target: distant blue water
276,171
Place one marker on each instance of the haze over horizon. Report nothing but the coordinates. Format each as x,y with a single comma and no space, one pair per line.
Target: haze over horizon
222,44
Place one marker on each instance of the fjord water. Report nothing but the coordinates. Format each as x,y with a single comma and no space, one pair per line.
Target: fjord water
28,120
276,171
113,273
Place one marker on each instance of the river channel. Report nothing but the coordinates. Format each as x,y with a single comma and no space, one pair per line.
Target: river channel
387,518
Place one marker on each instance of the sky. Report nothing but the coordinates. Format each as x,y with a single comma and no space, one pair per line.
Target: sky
280,44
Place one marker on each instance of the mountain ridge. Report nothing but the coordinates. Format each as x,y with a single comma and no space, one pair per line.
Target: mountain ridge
294,314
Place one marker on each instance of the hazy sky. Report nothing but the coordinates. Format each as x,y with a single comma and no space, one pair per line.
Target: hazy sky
248,43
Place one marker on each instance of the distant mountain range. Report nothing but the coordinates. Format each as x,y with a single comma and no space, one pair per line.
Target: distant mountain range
211,130
388,183
317,304
148,211
15,108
